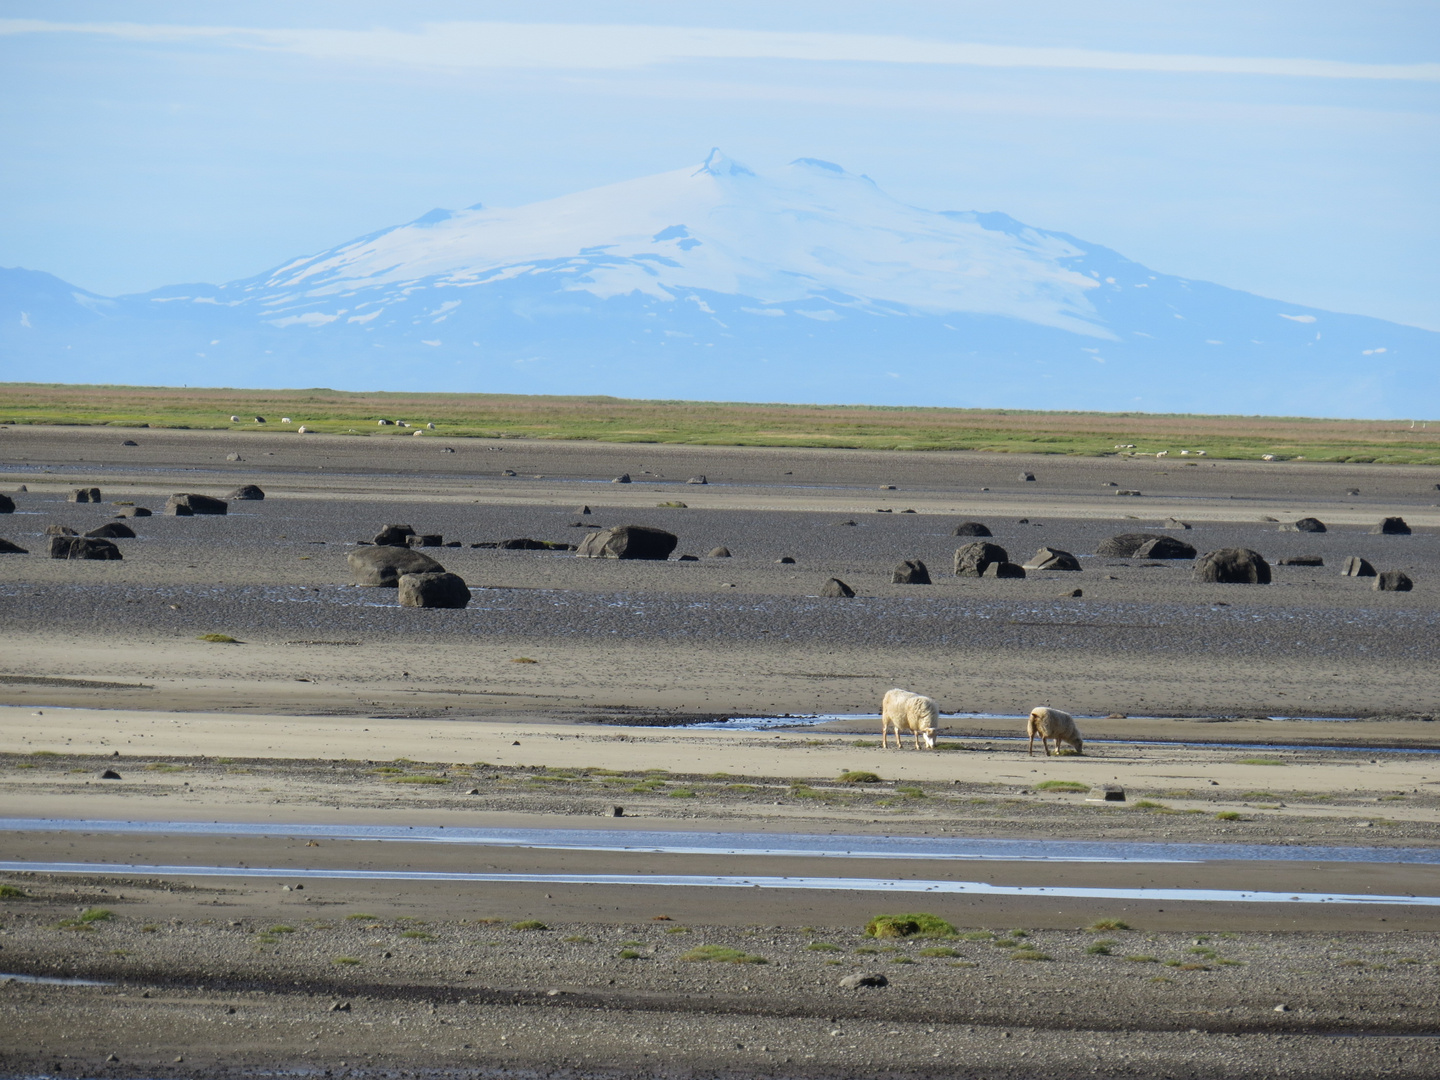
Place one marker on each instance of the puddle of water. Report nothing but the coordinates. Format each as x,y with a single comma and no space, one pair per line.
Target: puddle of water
50,980
794,845
720,881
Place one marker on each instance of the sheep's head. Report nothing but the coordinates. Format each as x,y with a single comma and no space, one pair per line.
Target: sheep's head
1079,745
928,734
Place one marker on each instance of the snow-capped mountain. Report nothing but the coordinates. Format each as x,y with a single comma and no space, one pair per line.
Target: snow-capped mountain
713,282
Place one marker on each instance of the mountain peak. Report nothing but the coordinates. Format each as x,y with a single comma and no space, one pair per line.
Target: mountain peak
717,164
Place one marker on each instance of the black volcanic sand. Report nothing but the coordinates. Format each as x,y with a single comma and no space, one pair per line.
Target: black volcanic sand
236,976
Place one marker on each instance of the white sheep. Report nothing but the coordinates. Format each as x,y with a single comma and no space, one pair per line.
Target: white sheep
905,711
302,429
1053,724
286,420
234,419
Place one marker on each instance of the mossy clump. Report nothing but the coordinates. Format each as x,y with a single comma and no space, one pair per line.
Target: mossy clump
529,924
858,776
1229,815
721,954
905,926
1102,926
1061,785
220,639
10,892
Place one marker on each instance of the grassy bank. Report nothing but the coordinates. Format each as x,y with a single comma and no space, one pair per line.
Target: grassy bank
498,416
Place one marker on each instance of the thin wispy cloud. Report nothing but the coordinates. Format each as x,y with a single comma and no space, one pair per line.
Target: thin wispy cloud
580,46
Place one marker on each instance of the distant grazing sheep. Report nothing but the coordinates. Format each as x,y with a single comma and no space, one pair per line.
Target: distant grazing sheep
1053,724
905,711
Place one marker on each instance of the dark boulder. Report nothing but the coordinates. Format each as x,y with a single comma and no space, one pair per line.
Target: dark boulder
61,530
1355,566
688,558
1028,477
1305,524
1004,570
911,572
1125,545
1233,566
133,512
788,560
109,774
393,536
628,542
7,504
1391,526
113,530
972,559
81,547
583,510
836,588
383,565
129,442
697,480
718,553
246,492
1393,581
434,589
194,504
971,528
425,540
1164,547
7,548
85,495
1302,560
623,478
1048,558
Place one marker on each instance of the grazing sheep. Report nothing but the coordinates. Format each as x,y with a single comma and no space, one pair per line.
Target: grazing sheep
905,711
1053,724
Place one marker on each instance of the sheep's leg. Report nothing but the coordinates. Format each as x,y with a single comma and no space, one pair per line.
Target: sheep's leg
1045,742
1032,743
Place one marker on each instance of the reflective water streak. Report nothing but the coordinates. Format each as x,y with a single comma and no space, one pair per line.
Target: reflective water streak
707,881
795,845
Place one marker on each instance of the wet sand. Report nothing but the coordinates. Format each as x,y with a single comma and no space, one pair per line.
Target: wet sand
337,693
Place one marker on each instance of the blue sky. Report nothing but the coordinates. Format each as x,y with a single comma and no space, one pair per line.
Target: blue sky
1289,149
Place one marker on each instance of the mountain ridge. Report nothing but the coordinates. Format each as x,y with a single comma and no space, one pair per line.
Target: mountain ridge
716,282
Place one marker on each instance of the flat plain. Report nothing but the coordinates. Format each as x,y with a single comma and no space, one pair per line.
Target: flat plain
1294,714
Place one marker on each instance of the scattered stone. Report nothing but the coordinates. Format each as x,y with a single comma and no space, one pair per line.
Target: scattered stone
847,523
1048,558
438,590
383,565
7,504
1109,483
688,558
447,449
246,493
109,774
1282,1008
972,559
112,1057
425,540
7,548
1176,523
508,472
81,547
718,553
113,530
1355,566
340,1006
1302,560
971,528
1393,581
233,457
393,536
910,572
133,512
1305,524
623,478
583,510
1072,593
1125,545
697,480
1352,491
1107,792
187,504
1004,570
628,542
786,559
1028,477
60,530
129,442
1164,547
1391,526
84,495
836,588
859,979
887,487
1128,491
908,511
1233,566
617,811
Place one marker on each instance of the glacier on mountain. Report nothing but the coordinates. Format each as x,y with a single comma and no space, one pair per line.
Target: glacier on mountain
715,282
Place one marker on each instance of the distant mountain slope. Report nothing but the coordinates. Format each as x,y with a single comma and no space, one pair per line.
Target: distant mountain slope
717,283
